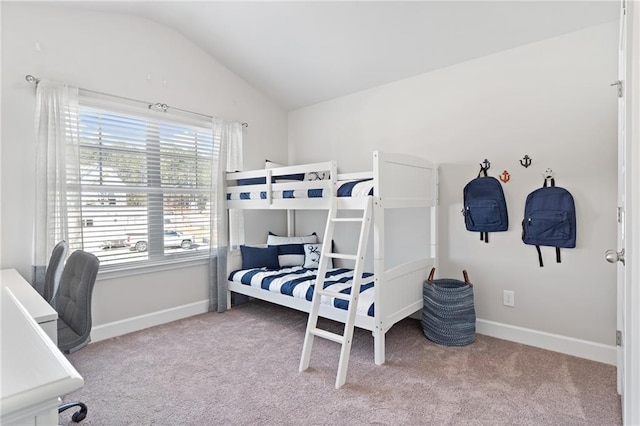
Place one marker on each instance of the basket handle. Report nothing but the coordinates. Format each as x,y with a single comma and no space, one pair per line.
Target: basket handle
431,274
466,278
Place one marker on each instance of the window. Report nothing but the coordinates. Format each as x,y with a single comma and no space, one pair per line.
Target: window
145,185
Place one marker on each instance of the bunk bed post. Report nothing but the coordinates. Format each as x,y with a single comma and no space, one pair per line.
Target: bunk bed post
378,273
333,176
378,264
434,218
291,223
228,255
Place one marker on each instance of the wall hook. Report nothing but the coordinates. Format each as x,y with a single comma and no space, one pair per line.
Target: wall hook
526,161
486,166
549,174
505,176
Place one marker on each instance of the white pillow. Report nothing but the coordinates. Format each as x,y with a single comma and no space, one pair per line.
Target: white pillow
317,176
312,256
291,249
324,175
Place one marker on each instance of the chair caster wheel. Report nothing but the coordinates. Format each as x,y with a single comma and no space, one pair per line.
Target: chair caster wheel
79,416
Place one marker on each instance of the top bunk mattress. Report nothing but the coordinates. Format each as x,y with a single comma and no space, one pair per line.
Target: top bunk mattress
348,188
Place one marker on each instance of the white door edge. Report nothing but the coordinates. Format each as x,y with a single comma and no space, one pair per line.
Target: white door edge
631,337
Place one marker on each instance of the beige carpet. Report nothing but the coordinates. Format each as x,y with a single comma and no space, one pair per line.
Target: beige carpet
241,367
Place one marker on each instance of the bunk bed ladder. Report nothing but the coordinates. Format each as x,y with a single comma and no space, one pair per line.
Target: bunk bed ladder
319,291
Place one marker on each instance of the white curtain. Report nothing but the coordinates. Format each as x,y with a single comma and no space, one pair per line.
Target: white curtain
57,171
229,137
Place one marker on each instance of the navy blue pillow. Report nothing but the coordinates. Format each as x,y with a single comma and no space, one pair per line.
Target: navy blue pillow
295,176
252,181
274,179
259,257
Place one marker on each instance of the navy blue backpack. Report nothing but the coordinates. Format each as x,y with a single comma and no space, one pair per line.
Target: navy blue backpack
485,208
549,219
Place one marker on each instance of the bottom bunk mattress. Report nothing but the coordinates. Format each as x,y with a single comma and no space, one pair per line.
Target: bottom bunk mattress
299,282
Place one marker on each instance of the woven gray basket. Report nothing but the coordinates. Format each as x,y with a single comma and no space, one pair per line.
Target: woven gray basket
448,313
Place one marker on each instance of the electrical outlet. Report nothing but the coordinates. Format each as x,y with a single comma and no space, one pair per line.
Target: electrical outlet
508,298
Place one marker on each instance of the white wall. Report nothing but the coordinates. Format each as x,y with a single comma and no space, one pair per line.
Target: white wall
120,55
550,100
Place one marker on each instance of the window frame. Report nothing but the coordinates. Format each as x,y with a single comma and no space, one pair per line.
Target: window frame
156,191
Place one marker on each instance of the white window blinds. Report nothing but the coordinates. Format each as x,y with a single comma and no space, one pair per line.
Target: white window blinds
145,185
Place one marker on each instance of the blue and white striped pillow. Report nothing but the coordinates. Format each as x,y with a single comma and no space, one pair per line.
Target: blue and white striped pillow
291,249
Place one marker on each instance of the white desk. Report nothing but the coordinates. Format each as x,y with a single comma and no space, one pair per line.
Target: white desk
37,307
35,374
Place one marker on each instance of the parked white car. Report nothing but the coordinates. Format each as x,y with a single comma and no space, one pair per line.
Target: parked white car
172,238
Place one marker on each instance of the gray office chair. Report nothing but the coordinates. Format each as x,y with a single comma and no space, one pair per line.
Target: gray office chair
74,310
54,271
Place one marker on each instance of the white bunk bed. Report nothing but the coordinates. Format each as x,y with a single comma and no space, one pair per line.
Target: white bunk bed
399,182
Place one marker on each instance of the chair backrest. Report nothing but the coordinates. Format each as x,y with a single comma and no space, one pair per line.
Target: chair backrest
74,298
54,271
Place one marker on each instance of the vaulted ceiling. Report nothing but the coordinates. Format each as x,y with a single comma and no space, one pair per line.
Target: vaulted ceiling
301,53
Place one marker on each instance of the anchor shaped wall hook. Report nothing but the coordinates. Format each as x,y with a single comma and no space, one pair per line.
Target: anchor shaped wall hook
527,161
486,166
505,176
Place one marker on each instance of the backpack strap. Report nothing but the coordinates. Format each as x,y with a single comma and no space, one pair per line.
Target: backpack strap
482,170
558,260
484,236
539,256
552,179
552,182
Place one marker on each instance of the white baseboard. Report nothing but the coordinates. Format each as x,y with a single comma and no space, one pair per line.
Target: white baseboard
554,342
118,328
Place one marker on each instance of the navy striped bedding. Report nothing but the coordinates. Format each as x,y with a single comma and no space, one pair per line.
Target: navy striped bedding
299,282
352,188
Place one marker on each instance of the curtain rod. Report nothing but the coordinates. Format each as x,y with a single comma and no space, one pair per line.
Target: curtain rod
157,105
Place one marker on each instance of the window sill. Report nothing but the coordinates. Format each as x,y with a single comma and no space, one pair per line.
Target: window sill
151,268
